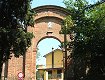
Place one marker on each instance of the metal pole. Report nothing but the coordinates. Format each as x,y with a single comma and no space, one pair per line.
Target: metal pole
52,58
24,61
65,46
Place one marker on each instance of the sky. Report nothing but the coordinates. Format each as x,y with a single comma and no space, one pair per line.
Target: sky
45,46
36,3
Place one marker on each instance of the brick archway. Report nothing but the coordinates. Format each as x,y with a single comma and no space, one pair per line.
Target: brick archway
48,22
48,37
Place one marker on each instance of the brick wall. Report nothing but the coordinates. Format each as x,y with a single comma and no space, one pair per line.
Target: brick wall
45,14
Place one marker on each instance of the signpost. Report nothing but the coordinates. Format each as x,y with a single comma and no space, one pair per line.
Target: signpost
20,76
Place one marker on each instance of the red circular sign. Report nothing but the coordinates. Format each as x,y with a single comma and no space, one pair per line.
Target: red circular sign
20,75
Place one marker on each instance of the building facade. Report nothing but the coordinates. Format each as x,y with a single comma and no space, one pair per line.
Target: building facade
54,66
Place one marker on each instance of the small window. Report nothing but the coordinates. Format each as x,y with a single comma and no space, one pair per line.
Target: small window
49,74
59,73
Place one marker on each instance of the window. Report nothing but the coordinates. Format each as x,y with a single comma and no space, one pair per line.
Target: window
49,74
59,73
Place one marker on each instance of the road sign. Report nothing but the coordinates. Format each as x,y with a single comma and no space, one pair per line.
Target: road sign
20,75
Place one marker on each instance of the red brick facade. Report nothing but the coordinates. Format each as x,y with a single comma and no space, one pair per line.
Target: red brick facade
47,25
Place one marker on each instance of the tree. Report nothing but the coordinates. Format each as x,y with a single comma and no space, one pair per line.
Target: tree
88,46
15,16
38,53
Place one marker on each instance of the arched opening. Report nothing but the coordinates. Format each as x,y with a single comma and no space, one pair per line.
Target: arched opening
45,46
49,64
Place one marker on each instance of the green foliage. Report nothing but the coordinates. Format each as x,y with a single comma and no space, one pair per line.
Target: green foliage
21,41
16,41
15,13
66,25
88,46
15,17
38,54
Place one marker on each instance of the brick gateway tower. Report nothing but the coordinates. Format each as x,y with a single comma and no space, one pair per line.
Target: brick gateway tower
48,22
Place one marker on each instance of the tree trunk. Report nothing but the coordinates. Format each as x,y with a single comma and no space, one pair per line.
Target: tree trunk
1,64
6,70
